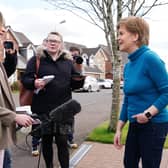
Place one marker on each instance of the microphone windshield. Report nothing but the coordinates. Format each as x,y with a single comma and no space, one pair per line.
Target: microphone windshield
65,111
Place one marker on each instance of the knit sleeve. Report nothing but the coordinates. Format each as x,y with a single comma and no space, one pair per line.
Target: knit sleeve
123,115
157,72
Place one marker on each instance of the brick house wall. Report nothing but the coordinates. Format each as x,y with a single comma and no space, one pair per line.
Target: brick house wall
108,74
102,61
99,60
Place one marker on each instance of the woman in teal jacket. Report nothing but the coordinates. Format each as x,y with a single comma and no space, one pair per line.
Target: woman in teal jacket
145,97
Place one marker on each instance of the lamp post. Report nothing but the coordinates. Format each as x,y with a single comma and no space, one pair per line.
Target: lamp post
60,23
63,21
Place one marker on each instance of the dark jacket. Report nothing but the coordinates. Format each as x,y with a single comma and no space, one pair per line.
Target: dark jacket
59,90
10,63
7,106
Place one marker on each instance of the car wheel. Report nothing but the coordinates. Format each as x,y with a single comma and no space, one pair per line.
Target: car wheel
90,89
98,90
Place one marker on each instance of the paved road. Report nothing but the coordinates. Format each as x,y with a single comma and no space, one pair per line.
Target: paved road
95,109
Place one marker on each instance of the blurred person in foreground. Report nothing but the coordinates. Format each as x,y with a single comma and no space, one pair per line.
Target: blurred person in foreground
145,97
53,61
9,61
8,116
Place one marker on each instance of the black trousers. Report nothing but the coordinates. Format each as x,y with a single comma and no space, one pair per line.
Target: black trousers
145,142
62,148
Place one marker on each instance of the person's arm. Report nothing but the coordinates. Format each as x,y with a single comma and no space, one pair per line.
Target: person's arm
123,115
7,117
24,120
158,75
146,115
77,80
122,120
28,78
10,61
118,134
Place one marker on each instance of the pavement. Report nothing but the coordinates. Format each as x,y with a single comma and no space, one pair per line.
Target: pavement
98,155
87,155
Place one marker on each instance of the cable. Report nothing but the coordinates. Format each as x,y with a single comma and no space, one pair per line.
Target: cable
22,148
59,114
38,165
29,148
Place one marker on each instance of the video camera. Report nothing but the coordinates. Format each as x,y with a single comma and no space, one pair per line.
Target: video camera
78,59
8,44
60,114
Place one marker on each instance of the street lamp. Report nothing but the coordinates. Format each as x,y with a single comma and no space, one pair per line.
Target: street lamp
58,24
63,21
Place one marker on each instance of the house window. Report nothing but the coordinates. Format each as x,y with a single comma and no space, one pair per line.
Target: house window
30,53
85,58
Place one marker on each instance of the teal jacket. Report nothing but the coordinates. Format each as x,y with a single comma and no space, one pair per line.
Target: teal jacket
145,84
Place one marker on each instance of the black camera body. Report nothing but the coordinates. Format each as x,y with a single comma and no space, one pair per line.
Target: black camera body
78,59
8,44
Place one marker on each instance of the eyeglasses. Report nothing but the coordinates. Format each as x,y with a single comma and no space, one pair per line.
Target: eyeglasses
53,41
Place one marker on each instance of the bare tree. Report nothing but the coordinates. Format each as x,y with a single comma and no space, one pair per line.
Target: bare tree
105,14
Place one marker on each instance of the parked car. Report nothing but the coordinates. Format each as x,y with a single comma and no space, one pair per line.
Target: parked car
90,84
121,84
109,80
104,84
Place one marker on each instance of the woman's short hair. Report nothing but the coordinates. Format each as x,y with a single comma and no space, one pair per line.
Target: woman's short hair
136,25
57,34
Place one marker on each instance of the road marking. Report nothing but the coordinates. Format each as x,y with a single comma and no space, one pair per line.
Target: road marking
89,104
84,148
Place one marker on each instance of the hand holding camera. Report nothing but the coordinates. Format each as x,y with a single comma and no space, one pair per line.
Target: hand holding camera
78,59
9,47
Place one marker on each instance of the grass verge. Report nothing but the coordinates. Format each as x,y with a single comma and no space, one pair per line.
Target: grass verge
101,134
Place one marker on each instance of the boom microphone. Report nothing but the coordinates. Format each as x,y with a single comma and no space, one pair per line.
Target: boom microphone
65,111
59,115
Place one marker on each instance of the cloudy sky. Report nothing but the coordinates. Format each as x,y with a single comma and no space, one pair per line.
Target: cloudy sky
35,18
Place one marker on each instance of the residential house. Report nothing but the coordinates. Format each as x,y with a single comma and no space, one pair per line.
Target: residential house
25,50
89,69
97,62
67,45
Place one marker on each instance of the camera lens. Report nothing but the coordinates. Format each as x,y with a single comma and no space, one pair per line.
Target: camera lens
8,45
78,59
